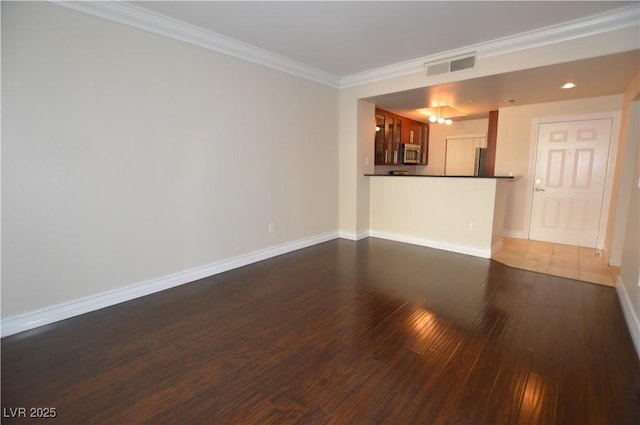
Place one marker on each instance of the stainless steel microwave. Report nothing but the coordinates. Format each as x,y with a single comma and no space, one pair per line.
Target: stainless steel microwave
411,154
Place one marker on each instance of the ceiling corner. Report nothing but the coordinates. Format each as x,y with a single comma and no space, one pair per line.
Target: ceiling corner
128,14
621,18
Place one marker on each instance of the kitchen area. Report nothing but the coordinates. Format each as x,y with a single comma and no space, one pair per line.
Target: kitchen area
428,147
458,165
433,182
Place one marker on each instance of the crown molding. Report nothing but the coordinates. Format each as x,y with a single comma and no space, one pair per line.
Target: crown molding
128,14
597,24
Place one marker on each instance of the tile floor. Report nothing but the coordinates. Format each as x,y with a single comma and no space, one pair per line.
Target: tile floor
574,262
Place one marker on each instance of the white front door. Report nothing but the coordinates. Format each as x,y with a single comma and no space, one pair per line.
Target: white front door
569,182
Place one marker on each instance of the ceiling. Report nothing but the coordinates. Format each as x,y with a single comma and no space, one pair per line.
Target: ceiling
346,38
474,98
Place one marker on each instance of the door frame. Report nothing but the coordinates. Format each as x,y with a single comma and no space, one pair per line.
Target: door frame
611,162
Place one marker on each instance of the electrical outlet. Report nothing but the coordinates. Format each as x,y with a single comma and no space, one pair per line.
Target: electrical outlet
472,226
272,227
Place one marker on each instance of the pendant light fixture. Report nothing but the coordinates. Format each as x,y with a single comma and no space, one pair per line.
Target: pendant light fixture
440,119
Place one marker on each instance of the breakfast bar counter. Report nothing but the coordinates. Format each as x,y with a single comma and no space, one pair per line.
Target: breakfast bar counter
462,214
438,175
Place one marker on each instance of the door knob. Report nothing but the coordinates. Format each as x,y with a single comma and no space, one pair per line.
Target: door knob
540,189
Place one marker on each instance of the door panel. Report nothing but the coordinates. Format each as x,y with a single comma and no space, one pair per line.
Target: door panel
578,209
583,170
569,181
555,169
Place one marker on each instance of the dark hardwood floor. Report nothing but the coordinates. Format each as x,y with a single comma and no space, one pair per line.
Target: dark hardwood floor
369,332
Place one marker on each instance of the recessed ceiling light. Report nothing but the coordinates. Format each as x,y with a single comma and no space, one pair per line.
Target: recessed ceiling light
568,85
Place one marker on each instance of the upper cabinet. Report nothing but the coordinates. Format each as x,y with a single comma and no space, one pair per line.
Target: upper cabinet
411,132
392,132
380,140
423,141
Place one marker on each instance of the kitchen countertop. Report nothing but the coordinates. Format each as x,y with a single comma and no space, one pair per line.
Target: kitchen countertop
425,175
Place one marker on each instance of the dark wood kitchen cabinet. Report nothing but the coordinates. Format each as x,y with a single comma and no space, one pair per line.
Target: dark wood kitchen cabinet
411,133
393,131
380,140
423,141
388,138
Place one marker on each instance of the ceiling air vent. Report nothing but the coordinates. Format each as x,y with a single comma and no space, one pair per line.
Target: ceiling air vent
445,66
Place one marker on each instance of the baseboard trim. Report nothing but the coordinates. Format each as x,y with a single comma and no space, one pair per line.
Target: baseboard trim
24,322
430,243
352,236
516,234
633,323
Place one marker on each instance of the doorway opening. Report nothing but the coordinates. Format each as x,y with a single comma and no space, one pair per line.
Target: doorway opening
571,163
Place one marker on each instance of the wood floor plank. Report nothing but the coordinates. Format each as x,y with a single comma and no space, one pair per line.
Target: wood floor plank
532,317
503,402
362,332
572,357
539,401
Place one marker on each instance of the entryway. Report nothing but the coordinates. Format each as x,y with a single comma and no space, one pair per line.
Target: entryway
569,185
569,261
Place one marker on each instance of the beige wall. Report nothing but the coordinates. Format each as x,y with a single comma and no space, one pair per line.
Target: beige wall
366,131
623,179
128,156
628,206
499,212
452,213
629,279
515,143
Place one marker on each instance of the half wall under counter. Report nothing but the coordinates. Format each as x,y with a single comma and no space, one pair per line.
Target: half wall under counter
460,214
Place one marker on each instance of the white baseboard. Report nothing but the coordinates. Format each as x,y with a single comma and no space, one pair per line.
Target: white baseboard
353,236
633,323
461,249
515,234
31,320
363,235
